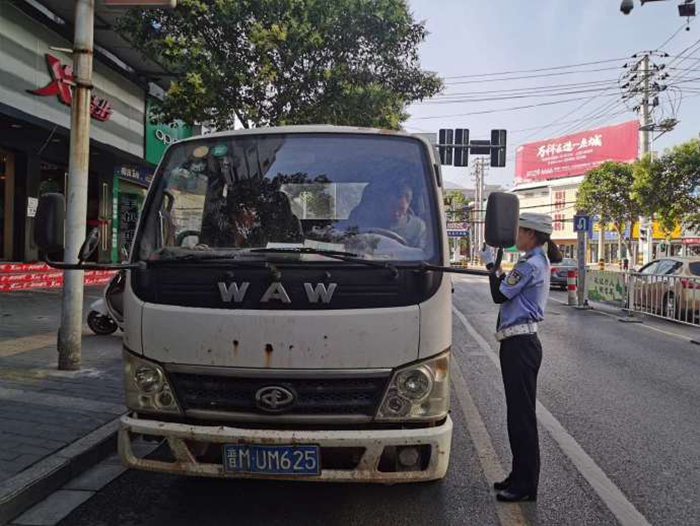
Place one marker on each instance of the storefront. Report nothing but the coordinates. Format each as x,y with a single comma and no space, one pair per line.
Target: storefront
129,191
35,105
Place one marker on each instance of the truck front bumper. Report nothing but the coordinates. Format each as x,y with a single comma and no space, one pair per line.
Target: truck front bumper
191,447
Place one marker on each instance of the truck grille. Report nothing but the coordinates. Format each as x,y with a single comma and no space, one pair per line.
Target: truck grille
353,396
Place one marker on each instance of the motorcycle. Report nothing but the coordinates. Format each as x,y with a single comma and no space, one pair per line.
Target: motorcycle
106,315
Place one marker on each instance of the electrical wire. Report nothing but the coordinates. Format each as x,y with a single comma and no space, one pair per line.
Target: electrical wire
551,68
552,87
501,109
509,97
546,75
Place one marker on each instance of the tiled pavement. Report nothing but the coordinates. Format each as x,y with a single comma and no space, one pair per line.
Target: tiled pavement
42,409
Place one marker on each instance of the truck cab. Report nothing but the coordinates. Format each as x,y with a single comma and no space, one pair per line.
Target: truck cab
282,315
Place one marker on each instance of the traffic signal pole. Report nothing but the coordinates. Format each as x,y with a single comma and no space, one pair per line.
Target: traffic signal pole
70,333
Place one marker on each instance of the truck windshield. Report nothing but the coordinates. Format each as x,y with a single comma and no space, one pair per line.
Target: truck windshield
366,194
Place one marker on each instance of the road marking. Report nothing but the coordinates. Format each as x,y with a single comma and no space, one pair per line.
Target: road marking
609,493
508,514
644,325
28,343
31,343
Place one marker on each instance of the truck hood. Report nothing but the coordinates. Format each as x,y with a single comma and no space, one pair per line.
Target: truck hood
329,339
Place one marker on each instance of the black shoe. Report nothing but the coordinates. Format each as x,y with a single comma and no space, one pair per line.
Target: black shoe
504,484
510,495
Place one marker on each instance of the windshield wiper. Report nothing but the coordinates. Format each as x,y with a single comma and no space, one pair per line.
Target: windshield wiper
349,257
424,266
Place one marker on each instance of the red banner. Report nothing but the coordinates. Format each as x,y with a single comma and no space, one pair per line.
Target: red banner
577,153
49,280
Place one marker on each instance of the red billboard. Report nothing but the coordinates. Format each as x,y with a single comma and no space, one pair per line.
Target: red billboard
577,153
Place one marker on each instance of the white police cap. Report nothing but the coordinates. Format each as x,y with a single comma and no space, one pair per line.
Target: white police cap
539,222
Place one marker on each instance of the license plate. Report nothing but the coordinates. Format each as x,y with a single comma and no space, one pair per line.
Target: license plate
272,460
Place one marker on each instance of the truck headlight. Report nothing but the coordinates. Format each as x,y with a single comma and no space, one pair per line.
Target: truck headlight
420,391
146,386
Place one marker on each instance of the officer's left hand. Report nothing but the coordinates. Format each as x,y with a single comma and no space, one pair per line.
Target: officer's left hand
487,256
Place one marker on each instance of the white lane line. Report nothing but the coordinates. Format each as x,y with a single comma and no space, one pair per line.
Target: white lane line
643,325
623,510
508,514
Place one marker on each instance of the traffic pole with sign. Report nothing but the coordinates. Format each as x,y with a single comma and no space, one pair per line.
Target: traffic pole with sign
581,225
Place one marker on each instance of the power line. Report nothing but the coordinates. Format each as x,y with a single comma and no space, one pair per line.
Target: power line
551,68
546,75
541,127
553,87
502,109
509,97
674,35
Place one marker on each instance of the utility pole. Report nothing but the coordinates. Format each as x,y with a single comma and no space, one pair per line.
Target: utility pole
479,191
601,243
645,139
70,333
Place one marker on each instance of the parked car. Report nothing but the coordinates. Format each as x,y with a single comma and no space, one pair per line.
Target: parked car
669,287
560,272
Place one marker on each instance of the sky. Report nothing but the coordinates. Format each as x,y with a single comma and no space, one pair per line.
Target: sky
476,37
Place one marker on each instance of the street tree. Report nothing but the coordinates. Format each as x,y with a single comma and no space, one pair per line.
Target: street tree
456,203
277,62
668,188
606,191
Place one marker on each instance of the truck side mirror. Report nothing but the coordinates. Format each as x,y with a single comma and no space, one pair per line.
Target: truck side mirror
48,228
502,216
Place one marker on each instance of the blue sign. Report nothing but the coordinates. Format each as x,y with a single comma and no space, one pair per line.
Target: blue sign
582,223
136,174
457,233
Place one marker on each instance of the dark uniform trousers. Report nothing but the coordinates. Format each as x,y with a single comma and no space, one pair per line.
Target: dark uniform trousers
521,357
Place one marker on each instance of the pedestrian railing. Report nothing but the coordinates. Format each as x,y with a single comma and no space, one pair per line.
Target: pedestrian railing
675,298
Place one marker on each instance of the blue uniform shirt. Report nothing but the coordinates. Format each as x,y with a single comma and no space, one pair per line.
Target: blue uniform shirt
526,287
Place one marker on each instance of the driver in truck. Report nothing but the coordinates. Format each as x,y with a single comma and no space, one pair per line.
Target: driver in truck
390,209
402,220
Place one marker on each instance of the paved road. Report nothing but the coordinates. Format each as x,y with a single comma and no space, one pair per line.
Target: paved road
619,432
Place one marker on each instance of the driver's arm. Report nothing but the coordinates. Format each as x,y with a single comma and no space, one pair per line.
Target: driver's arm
423,235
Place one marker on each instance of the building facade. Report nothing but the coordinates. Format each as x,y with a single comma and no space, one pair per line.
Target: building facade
36,80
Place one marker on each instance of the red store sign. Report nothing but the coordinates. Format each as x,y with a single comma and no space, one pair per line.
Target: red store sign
577,153
62,87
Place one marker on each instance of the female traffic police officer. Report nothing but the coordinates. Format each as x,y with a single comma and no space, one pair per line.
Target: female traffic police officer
522,295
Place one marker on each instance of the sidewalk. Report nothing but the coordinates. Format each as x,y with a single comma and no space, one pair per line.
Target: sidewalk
46,414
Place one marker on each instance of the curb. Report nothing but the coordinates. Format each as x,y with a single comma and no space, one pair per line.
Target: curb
37,482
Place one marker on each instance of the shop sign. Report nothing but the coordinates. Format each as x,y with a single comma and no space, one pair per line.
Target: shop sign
137,174
160,136
691,241
62,87
457,225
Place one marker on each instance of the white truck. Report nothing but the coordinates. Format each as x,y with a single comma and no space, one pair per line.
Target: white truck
286,310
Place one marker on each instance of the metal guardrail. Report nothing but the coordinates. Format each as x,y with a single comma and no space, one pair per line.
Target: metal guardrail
672,297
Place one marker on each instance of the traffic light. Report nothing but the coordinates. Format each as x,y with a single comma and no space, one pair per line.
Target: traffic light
445,136
461,154
498,148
